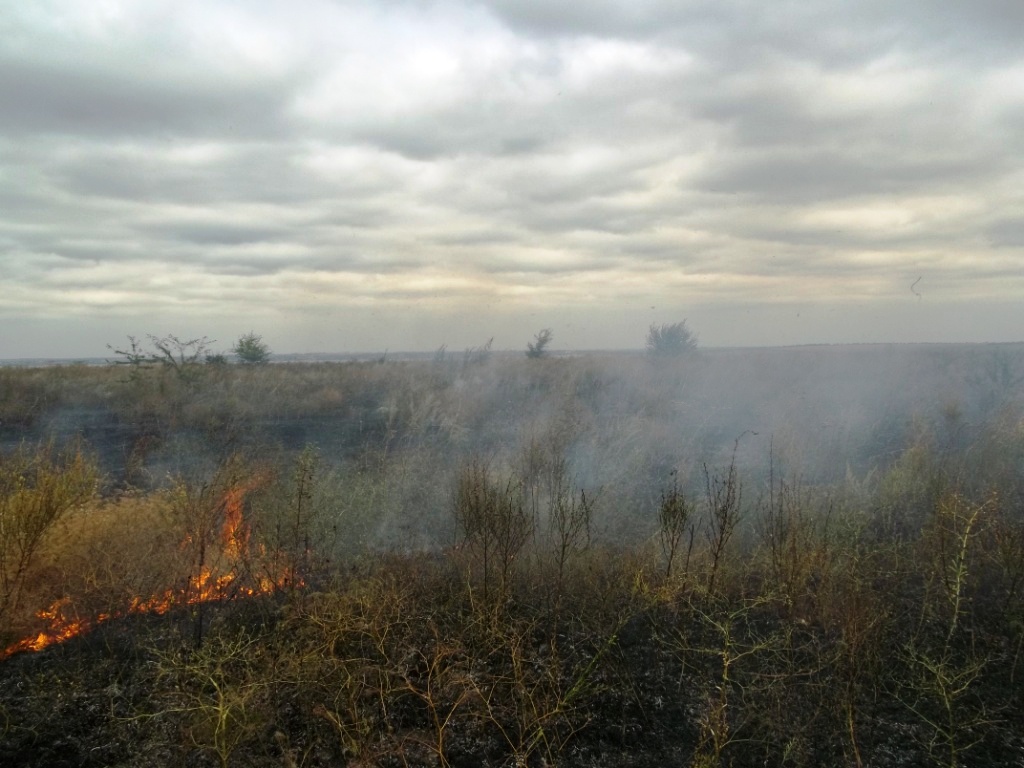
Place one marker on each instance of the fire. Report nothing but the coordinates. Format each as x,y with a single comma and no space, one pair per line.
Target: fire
60,629
62,623
235,534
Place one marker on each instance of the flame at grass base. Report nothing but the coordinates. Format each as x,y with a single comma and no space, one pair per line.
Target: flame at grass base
202,588
207,586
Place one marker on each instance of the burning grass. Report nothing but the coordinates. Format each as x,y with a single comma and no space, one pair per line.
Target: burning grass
115,559
804,639
508,565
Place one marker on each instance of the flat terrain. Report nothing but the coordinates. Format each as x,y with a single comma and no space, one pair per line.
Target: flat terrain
801,556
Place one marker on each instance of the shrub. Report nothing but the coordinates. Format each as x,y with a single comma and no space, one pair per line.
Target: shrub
477,355
675,340
37,488
493,520
538,347
251,349
675,526
183,356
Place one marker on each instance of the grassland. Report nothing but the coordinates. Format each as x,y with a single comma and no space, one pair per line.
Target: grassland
809,556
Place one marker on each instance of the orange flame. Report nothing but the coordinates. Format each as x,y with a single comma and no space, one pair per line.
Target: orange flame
204,587
235,534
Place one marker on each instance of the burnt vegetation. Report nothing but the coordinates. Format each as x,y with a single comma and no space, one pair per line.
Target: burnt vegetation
792,557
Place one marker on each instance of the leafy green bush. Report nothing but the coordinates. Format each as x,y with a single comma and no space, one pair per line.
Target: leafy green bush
670,340
251,349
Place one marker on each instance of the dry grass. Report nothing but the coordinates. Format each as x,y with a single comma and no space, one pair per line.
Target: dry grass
515,563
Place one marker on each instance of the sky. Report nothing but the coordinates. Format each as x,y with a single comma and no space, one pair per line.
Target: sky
359,176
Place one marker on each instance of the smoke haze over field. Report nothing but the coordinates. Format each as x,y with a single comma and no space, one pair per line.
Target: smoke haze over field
344,176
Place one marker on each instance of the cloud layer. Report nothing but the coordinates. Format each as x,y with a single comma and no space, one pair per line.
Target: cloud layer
360,175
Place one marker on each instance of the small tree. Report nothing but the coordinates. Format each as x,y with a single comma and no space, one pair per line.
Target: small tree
183,356
675,340
134,356
171,353
538,347
251,349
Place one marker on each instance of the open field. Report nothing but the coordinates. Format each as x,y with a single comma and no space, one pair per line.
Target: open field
802,556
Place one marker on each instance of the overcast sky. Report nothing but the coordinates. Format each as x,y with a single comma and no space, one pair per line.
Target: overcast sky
359,176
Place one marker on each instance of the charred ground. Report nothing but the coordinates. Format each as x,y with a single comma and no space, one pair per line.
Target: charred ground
800,556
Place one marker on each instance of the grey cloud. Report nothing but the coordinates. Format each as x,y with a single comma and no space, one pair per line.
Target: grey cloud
486,125
480,238
592,217
441,136
539,263
88,100
408,142
983,30
809,175
769,115
137,179
702,156
249,266
355,259
726,34
523,144
335,217
621,105
151,174
604,18
1007,233
217,233
734,30
95,251
252,260
834,239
